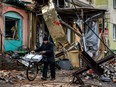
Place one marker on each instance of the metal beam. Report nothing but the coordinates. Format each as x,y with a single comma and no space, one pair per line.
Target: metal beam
74,30
98,62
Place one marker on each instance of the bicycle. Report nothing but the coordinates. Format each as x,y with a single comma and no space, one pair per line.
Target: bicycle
33,62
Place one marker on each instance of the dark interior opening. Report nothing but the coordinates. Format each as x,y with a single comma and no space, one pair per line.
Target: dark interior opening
11,28
42,2
61,3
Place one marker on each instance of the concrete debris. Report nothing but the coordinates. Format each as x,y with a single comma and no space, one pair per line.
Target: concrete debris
63,79
109,70
2,79
114,79
108,76
105,79
9,77
21,77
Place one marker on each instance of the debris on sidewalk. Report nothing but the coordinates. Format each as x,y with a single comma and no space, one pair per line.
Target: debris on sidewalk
11,76
105,79
16,78
2,79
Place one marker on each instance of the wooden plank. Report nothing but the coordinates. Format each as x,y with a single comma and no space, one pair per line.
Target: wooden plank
74,58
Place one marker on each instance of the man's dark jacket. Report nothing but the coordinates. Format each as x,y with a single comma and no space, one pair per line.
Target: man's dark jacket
49,48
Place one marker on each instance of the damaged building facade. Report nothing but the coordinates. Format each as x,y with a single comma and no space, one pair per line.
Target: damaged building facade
14,19
33,27
110,24
66,22
77,30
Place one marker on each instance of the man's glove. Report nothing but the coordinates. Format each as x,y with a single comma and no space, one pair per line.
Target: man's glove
42,52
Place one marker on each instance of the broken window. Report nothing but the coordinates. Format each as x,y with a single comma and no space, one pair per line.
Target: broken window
114,4
114,31
11,28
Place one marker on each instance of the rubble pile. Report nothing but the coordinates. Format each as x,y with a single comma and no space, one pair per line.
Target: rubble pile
109,73
9,63
64,78
110,70
11,76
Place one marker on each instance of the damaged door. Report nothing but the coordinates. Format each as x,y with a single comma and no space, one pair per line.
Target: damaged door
13,28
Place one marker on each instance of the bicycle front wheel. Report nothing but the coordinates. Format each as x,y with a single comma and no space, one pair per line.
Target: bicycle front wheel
32,71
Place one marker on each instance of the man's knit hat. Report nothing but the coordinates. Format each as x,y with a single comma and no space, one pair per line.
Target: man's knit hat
45,38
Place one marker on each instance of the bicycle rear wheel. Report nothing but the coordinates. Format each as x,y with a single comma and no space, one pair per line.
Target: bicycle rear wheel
32,71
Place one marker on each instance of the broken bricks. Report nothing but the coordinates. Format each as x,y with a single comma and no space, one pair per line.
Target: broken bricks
11,76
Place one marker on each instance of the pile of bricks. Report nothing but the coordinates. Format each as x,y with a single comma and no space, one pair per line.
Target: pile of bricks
110,70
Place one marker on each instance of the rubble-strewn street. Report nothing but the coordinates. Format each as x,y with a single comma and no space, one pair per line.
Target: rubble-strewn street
57,43
18,79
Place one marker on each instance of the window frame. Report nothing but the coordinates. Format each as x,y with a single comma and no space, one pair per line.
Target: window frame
114,4
16,33
114,32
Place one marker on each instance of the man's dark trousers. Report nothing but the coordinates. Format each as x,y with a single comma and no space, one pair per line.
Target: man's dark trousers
52,69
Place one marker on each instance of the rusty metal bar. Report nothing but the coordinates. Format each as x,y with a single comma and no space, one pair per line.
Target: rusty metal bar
98,62
92,64
77,79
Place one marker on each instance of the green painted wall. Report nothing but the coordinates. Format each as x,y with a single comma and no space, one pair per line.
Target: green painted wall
109,4
111,41
101,2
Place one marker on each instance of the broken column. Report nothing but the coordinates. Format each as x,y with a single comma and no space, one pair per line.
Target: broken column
53,24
